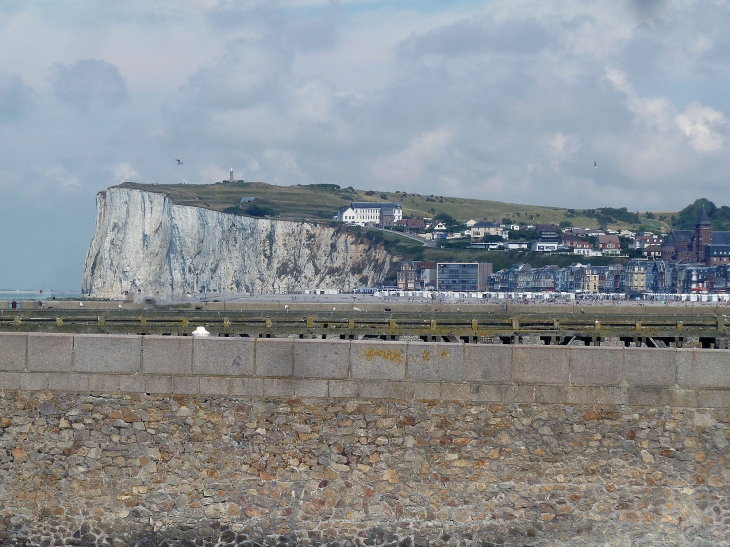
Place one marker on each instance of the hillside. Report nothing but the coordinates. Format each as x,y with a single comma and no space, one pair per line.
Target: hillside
320,201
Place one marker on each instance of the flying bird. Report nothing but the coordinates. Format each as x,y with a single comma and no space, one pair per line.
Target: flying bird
286,308
179,162
356,309
595,165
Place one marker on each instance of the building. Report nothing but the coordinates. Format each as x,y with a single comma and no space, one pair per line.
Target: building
548,232
608,244
701,245
371,213
412,223
573,242
463,276
230,176
635,276
427,274
645,240
587,279
247,199
416,276
652,251
483,228
543,246
406,276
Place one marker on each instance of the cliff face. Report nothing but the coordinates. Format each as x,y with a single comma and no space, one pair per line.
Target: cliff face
145,242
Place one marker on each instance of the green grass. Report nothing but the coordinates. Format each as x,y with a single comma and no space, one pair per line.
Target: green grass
321,201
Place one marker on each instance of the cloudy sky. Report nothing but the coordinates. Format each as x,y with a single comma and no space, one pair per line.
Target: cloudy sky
506,100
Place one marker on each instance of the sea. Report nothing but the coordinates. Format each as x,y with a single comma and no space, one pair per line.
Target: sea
18,295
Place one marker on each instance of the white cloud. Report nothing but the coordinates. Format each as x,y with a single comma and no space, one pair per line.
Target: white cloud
699,123
410,163
60,177
123,172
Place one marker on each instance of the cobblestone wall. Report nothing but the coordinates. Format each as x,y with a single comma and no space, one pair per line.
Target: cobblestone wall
191,470
160,441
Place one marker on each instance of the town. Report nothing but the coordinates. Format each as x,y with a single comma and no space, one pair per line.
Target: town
678,262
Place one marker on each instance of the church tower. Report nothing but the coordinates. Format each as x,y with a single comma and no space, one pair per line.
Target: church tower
703,234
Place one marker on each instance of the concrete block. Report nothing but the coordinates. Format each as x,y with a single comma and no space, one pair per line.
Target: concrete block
50,352
343,388
540,364
382,389
186,385
321,359
488,363
215,385
485,393
595,395
648,396
703,368
30,381
451,391
681,397
548,394
167,355
223,356
247,387
274,357
427,391
278,387
103,383
650,366
714,398
311,388
13,350
9,381
157,384
132,383
104,353
436,361
519,394
378,360
596,366
63,381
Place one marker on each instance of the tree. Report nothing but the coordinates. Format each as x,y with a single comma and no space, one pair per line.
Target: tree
688,216
446,218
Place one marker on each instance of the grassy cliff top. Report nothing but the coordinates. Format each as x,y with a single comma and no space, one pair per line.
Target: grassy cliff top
321,201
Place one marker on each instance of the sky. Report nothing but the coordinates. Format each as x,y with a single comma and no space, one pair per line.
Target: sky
504,100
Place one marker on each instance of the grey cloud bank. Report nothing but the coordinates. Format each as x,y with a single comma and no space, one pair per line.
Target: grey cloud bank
509,101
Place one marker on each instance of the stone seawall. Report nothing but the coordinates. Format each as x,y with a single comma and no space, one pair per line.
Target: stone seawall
126,440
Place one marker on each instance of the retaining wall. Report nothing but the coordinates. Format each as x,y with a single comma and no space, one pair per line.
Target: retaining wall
263,367
174,441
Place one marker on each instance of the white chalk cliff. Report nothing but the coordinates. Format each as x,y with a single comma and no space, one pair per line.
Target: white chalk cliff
144,242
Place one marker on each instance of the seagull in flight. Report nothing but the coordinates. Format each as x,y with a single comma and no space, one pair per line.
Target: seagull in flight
595,165
179,162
